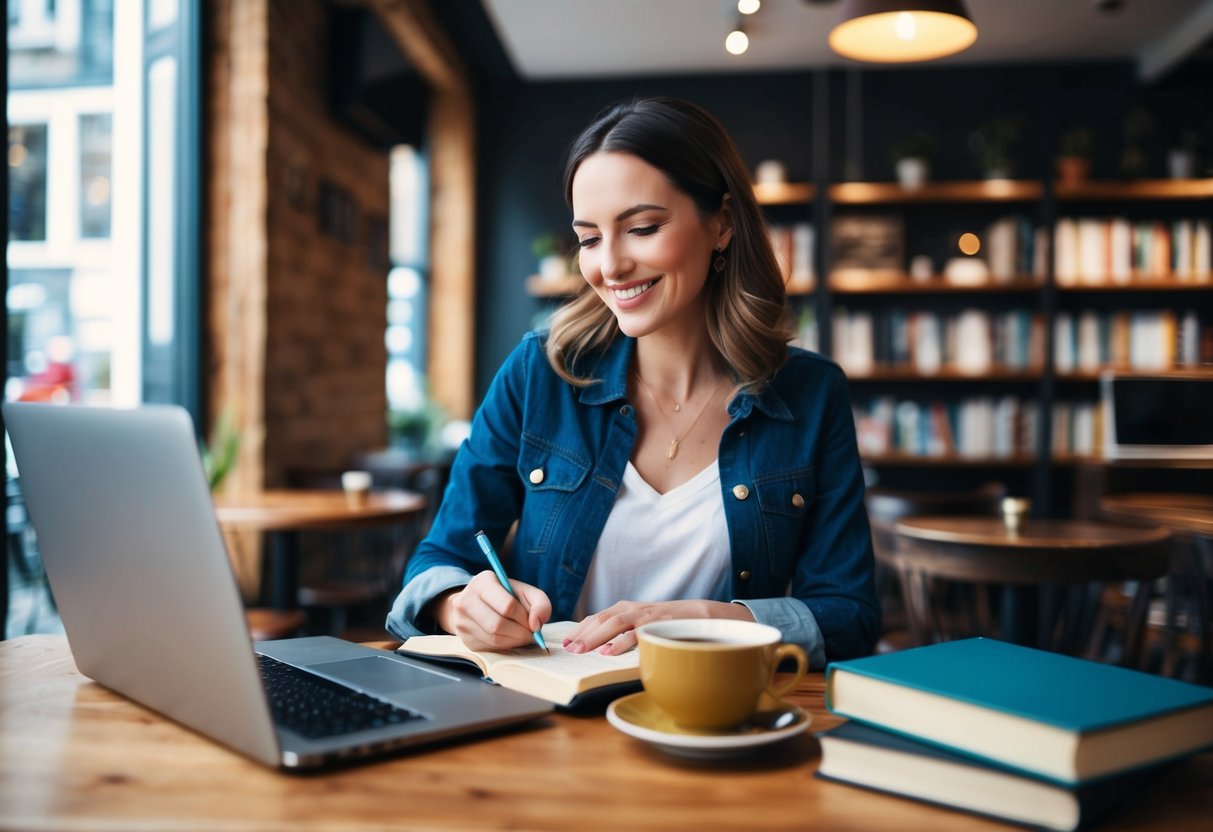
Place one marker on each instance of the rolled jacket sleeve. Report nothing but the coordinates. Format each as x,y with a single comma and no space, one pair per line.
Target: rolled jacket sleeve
795,621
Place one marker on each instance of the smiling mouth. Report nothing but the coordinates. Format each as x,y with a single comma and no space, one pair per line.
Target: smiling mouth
634,291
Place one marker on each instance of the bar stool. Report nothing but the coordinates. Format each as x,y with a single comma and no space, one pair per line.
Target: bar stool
265,624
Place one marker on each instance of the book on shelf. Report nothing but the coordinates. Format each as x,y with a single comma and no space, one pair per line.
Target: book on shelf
568,679
864,756
866,246
793,246
1095,251
972,427
970,342
1045,715
1144,339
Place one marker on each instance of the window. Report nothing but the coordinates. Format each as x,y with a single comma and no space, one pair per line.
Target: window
27,182
407,283
103,153
95,174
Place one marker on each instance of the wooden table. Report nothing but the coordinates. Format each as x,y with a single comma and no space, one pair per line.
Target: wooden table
287,512
1043,552
74,756
1190,517
1190,514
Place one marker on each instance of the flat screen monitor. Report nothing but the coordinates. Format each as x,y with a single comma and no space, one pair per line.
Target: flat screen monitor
1157,417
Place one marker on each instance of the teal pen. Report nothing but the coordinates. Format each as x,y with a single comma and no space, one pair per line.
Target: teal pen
499,571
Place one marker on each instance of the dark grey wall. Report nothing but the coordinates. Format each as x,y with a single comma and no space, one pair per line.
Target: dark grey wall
524,130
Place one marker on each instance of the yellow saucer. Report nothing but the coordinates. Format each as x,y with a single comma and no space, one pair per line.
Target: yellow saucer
637,716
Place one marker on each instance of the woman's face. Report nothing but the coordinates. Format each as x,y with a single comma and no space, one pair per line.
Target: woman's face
645,249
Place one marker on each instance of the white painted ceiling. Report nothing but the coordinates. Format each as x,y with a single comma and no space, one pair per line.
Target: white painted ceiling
562,39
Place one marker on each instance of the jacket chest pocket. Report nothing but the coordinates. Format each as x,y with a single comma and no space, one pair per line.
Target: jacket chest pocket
550,477
784,499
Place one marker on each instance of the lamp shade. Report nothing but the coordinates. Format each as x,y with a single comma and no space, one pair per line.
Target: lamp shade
897,31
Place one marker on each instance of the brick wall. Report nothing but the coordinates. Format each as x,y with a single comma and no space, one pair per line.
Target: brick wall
297,302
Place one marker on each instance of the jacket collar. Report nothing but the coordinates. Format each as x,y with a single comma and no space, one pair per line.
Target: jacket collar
611,385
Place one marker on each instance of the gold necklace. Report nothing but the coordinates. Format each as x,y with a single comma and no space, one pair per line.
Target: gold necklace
677,440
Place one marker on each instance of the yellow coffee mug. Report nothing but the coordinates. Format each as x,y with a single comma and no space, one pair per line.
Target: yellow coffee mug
707,674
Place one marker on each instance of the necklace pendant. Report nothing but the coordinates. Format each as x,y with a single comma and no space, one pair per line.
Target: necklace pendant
673,449
677,408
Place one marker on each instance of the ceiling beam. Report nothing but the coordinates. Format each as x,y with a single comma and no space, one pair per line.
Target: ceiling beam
1156,59
451,145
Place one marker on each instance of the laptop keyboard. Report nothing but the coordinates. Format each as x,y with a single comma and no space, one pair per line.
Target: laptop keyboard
316,707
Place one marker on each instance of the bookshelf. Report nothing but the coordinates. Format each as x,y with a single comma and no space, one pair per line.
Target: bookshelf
1039,393
1133,286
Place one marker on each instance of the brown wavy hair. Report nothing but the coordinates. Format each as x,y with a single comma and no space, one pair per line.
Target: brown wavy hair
747,304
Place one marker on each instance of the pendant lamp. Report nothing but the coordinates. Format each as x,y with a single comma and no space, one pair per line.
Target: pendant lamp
897,31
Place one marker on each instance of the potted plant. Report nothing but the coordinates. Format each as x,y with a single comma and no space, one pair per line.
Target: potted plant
912,159
1138,130
1074,155
219,454
1181,159
551,255
991,145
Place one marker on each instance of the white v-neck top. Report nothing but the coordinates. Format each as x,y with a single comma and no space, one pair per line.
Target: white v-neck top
661,547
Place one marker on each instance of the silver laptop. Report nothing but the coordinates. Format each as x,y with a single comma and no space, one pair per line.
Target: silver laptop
151,608
1157,416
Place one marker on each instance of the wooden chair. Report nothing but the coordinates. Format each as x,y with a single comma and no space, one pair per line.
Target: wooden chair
362,571
886,507
1065,564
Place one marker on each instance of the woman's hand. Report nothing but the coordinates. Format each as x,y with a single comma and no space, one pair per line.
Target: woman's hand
613,631
486,617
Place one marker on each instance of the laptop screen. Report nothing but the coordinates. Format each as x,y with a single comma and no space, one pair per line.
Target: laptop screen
1159,416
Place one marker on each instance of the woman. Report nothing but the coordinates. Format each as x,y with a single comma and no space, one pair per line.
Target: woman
664,452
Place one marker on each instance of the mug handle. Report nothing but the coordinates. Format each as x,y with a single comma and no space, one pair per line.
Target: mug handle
781,652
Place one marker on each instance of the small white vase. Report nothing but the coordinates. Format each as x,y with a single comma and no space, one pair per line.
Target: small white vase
912,172
1181,164
553,267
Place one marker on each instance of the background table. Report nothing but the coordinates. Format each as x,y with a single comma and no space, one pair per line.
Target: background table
1190,517
74,756
1044,552
287,512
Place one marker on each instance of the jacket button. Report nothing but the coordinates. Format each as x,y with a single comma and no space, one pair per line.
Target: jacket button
626,410
797,501
741,492
743,575
536,476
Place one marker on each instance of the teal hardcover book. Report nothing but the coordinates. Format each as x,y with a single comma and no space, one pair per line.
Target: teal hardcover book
1048,715
859,755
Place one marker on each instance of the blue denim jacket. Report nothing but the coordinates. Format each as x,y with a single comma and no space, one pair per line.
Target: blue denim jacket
552,456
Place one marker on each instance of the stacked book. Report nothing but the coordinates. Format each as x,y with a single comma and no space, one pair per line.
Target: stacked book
1008,732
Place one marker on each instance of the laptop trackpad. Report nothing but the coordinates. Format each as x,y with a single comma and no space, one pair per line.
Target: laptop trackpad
381,674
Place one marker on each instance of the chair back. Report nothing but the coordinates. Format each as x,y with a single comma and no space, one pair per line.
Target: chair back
886,507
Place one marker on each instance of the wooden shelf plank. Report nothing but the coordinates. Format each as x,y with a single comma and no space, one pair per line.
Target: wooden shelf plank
949,460
1200,372
545,287
1161,283
1141,189
784,193
881,374
888,193
854,282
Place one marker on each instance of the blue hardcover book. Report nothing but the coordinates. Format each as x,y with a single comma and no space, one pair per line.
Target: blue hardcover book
860,755
1048,715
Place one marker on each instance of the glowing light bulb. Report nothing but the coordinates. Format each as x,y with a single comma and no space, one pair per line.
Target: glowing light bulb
748,6
969,243
904,26
737,42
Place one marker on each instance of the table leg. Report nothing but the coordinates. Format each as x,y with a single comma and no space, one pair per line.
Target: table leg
283,580
1020,615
